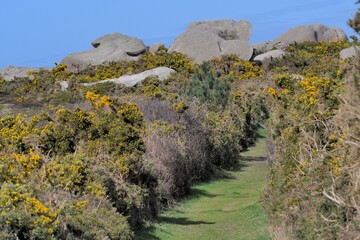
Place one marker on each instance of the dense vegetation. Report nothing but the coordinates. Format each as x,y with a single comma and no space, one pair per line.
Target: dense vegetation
312,190
99,162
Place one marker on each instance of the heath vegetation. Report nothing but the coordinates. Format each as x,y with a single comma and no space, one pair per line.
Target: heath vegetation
99,162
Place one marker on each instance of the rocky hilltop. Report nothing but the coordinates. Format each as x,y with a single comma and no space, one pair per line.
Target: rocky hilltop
201,41
111,47
309,32
209,39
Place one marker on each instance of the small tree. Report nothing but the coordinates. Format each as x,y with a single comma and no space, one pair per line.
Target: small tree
207,88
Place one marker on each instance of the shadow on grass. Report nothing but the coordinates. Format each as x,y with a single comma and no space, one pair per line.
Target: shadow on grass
238,166
148,232
181,221
196,193
253,159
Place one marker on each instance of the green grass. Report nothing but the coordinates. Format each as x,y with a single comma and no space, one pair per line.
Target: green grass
222,209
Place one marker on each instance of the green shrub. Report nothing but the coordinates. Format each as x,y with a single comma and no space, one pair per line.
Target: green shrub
174,60
208,89
311,59
2,84
232,66
310,187
57,169
102,222
234,128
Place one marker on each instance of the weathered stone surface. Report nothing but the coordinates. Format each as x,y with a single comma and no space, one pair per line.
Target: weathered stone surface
269,55
64,85
12,72
111,47
155,47
131,80
263,47
348,52
209,39
312,32
233,46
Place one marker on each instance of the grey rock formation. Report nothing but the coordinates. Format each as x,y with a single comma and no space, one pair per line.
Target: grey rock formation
209,39
269,55
263,47
12,72
348,52
312,32
111,47
131,80
155,47
242,48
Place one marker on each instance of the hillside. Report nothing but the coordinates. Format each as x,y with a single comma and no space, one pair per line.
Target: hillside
99,160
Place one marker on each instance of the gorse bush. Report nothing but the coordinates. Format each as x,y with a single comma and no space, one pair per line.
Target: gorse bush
310,59
45,85
162,58
234,128
100,171
312,190
232,66
2,84
66,175
174,60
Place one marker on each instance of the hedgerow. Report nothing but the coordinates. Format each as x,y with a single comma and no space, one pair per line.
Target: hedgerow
312,187
66,174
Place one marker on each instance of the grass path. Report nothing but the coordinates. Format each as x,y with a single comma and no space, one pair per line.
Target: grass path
222,209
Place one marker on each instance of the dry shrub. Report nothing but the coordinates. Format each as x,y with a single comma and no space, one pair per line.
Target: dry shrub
314,179
347,120
177,147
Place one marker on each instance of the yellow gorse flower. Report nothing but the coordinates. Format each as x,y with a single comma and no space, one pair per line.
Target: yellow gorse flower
98,100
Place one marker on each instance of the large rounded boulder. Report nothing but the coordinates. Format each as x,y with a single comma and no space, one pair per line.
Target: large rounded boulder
314,33
303,33
273,54
111,47
349,52
211,39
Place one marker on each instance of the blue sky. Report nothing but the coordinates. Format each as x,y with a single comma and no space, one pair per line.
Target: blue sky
38,33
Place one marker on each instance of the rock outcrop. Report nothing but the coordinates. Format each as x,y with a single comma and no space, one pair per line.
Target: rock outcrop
269,55
268,46
348,52
131,80
155,47
12,72
310,32
211,39
111,47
